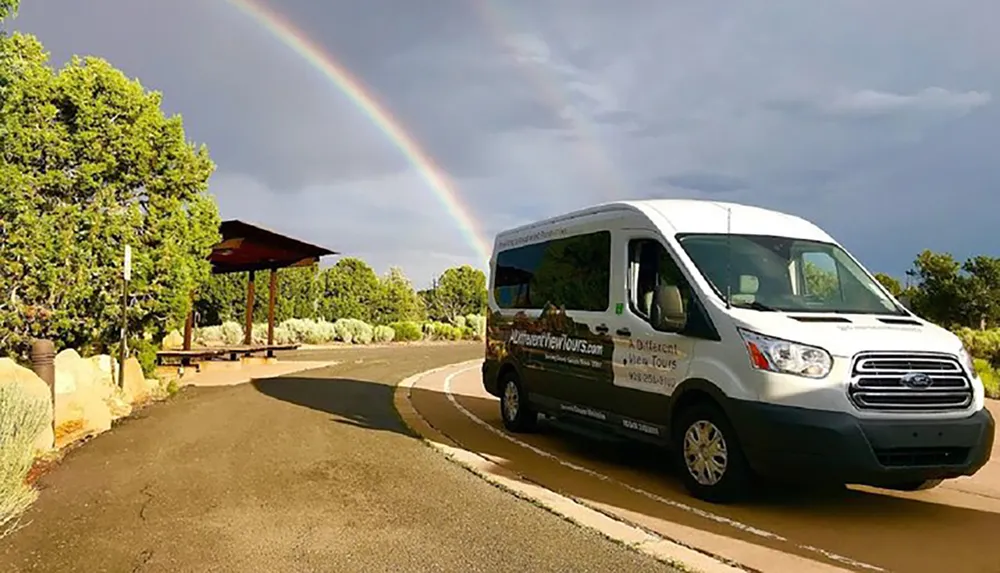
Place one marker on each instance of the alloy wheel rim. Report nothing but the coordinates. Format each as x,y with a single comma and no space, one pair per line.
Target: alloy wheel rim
510,400
705,452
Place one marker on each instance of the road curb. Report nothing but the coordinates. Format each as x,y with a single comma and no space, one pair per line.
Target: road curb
638,539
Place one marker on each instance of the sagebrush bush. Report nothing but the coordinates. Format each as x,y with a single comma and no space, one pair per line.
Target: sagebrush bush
327,333
383,333
427,329
282,335
232,333
407,331
303,330
443,331
478,324
354,331
22,418
208,336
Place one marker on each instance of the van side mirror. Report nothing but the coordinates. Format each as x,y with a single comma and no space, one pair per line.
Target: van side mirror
906,302
669,315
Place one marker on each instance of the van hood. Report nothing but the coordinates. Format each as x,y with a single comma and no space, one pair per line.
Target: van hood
847,334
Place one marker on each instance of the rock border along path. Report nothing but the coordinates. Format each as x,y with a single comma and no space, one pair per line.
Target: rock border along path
643,541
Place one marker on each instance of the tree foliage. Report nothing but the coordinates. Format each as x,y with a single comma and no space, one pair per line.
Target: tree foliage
891,284
89,164
8,8
349,289
952,293
459,291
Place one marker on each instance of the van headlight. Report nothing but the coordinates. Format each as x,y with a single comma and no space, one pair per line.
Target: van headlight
776,355
966,359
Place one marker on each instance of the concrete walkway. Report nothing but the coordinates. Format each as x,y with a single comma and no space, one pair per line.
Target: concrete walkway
308,472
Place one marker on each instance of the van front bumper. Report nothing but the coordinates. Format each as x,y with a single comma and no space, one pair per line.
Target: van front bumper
799,443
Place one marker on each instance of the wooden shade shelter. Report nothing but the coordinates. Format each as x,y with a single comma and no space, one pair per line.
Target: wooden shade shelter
248,248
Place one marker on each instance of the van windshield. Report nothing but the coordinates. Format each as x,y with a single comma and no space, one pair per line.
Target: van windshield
781,273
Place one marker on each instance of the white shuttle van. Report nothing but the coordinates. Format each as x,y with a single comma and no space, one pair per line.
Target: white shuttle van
747,340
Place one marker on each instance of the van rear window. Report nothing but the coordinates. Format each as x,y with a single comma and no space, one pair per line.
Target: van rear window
570,272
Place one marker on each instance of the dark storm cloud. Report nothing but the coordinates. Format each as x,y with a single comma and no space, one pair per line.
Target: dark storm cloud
876,120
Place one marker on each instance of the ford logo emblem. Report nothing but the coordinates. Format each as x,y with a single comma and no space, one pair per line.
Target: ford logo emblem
917,380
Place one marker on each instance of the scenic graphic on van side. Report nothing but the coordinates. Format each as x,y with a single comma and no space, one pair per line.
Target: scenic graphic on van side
553,341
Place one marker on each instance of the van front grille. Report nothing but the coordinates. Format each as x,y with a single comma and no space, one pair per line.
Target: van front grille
909,382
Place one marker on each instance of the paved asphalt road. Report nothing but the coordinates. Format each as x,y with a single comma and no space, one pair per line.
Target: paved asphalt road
950,529
312,472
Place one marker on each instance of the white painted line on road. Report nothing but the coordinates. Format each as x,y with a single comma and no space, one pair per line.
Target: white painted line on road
670,502
638,539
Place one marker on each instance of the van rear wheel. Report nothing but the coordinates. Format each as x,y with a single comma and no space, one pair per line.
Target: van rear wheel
517,413
708,454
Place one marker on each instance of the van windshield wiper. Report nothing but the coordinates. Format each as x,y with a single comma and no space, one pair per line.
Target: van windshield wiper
753,306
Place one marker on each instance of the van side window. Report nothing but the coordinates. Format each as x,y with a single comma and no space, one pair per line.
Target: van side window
658,291
571,273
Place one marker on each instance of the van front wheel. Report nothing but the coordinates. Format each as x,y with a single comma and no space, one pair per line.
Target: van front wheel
516,411
710,459
916,485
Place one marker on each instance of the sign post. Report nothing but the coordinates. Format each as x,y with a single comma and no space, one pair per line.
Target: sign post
123,350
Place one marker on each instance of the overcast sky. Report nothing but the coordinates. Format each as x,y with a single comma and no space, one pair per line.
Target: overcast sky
879,121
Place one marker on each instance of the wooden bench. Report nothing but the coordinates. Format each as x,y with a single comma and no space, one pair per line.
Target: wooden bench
187,357
195,355
235,352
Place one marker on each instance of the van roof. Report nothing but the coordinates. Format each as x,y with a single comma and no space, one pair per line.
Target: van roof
698,216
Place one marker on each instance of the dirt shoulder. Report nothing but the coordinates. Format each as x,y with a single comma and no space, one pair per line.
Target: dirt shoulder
309,472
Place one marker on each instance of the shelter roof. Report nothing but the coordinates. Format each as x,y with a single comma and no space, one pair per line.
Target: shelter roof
245,247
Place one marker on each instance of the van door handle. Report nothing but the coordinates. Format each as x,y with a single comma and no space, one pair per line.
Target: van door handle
601,328
623,332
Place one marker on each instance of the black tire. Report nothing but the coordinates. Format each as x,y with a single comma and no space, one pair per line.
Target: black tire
737,479
915,485
516,411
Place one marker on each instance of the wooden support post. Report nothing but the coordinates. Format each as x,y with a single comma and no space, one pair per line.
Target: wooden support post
272,299
248,329
189,325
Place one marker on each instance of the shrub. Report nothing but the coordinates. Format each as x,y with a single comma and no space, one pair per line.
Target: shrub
354,331
282,334
309,331
984,344
427,329
231,333
478,324
383,334
303,331
22,418
443,331
407,331
989,376
208,336
327,333
174,340
459,321
145,352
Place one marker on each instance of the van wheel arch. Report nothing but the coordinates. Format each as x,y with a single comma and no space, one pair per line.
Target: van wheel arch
693,391
506,369
701,403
